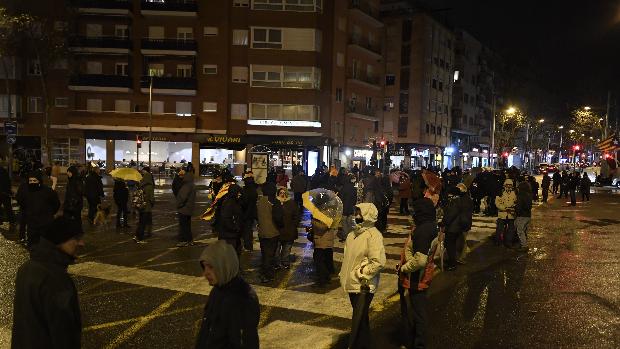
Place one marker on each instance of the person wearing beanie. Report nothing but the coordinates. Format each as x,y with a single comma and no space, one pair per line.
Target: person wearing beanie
232,312
46,308
38,204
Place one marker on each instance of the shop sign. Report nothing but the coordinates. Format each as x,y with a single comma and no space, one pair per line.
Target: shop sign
362,153
156,139
426,153
285,123
288,142
224,139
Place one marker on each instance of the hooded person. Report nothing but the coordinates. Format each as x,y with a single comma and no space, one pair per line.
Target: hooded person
145,218
268,232
232,312
506,214
74,202
185,202
286,216
93,190
46,308
121,197
457,219
248,204
364,258
228,218
38,204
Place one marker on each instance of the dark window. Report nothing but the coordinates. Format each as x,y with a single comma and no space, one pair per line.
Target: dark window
446,111
434,84
439,130
390,80
405,55
407,30
442,63
465,98
403,124
403,103
338,94
404,79
433,130
440,86
376,126
428,129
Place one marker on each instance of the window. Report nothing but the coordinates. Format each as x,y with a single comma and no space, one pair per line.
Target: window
287,5
441,86
94,68
465,98
209,69
428,128
185,33
240,37
433,131
286,112
238,111
368,103
210,31
403,102
122,69
405,55
370,72
209,107
184,108
355,69
439,130
156,33
240,74
34,67
301,77
266,38
121,31
122,106
434,83
407,30
266,76
94,30
390,80
184,70
241,3
340,60
156,69
157,107
93,105
61,102
339,95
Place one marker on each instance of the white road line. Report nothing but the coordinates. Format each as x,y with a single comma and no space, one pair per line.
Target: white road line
284,335
5,337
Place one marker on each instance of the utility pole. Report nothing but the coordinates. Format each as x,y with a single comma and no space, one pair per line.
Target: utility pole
150,116
607,115
492,150
526,150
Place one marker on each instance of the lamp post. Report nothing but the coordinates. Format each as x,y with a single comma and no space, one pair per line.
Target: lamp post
560,150
150,116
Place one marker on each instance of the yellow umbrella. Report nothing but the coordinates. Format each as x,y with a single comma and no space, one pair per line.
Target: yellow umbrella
128,174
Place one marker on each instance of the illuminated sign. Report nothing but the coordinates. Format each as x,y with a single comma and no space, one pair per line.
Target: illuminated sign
359,153
284,123
223,139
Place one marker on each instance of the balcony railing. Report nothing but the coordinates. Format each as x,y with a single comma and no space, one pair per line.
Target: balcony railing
169,83
365,7
100,42
170,5
104,4
360,76
359,41
362,110
101,80
169,44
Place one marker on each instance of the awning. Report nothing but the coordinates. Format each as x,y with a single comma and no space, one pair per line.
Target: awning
609,144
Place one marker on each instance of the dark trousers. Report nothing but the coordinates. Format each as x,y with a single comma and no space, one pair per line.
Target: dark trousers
450,241
404,205
363,339
323,264
92,208
491,209
34,234
121,211
545,194
585,195
477,201
573,197
298,199
419,318
248,234
268,247
235,243
5,201
555,188
185,228
144,219
563,191
381,223
22,226
507,228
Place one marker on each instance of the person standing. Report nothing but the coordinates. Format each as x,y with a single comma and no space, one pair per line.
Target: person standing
456,221
228,218
564,183
121,197
74,195
5,195
249,197
177,182
282,178
324,234
286,215
268,233
232,312
364,258
404,192
584,187
145,209
523,213
534,185
557,179
348,196
546,182
506,214
299,185
185,201
573,183
39,203
46,307
54,174
94,192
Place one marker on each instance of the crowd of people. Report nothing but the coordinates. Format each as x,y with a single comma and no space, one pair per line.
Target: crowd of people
350,205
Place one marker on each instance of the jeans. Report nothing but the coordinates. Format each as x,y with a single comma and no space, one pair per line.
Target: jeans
121,211
247,234
285,252
185,228
522,223
450,240
268,247
363,339
419,318
323,264
5,201
144,219
505,227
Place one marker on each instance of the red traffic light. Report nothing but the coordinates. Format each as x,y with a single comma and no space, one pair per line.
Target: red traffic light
576,147
505,154
382,143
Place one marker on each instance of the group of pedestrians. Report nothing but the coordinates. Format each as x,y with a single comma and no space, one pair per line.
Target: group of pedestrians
566,184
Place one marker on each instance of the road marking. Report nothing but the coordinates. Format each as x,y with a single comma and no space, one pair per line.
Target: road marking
143,321
166,227
284,335
127,321
5,337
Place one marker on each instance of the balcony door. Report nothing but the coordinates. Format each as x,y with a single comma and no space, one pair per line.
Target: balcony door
94,30
156,33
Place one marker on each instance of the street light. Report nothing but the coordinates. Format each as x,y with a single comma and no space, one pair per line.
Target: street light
511,110
541,121
587,108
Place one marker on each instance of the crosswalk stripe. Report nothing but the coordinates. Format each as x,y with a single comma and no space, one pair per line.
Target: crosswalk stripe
284,335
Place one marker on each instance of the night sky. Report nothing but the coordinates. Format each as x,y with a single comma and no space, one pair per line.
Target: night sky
573,46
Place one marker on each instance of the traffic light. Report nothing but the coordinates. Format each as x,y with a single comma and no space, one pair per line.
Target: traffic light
139,141
505,154
576,147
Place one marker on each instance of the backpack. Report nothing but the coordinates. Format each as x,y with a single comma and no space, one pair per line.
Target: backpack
138,201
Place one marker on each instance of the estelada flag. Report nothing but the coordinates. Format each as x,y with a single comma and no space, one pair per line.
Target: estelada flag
609,144
210,212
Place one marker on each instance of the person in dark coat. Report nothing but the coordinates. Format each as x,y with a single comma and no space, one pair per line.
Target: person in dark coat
249,196
177,182
232,312
186,199
557,179
299,186
348,196
38,203
584,187
94,192
546,183
121,197
456,220
74,194
571,187
5,195
564,182
534,185
228,218
523,213
286,216
46,308
145,214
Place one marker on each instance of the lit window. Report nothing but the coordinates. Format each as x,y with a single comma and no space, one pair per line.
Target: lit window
240,74
210,31
184,109
122,106
240,37
209,107
238,111
157,107
93,105
241,3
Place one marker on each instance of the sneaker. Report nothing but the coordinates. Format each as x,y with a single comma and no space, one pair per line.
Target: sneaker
138,241
183,244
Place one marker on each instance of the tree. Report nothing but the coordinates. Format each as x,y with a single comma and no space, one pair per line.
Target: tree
585,124
508,125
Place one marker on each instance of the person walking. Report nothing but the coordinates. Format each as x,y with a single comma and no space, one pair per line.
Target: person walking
228,218
46,307
557,179
506,214
364,258
6,192
571,187
546,183
249,196
185,201
564,183
404,192
121,197
74,195
286,215
457,219
299,185
535,186
94,192
38,203
348,196
523,213
177,182
268,233
584,187
144,199
232,312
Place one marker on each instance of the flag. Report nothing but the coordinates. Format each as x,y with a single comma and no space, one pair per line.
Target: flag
210,212
609,144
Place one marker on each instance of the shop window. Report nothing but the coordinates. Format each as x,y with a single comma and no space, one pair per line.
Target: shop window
93,105
240,37
184,109
157,107
66,151
210,31
240,74
209,107
209,69
270,38
61,102
122,106
238,111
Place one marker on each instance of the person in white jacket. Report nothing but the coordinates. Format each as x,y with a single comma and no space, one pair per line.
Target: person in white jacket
364,257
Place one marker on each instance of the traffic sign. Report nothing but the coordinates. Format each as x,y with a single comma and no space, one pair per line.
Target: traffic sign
11,139
10,128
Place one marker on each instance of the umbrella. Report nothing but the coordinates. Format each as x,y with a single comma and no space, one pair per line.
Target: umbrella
324,205
432,181
395,176
128,174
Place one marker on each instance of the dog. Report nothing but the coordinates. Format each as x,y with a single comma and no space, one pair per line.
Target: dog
103,213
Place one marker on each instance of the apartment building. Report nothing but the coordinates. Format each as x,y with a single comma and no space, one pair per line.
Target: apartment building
214,81
419,79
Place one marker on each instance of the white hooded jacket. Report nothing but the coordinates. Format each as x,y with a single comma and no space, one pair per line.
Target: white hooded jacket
364,253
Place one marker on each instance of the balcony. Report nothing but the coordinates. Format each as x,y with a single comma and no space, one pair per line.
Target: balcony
364,79
366,12
104,7
163,85
127,121
104,44
100,83
180,8
361,112
365,45
179,47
